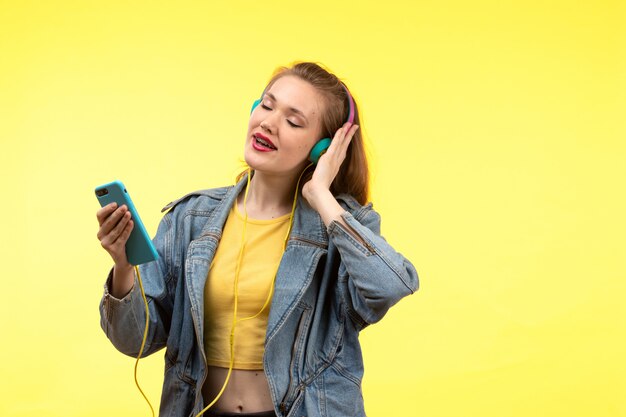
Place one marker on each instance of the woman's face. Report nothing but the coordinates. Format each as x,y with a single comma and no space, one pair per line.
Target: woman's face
284,128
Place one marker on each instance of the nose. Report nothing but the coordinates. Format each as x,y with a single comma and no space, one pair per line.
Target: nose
269,123
265,126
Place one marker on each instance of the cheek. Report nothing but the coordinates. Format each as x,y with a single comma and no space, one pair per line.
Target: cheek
252,124
256,117
304,144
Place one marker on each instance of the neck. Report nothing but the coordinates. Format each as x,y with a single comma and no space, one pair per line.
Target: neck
269,196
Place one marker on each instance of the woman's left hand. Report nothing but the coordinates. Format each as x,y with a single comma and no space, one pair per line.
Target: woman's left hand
317,189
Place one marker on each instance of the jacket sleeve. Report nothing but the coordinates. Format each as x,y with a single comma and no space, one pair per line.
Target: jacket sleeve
123,320
377,276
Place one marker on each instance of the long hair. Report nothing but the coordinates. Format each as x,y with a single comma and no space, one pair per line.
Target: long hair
353,175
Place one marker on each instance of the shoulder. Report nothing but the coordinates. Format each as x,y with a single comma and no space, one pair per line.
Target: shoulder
200,200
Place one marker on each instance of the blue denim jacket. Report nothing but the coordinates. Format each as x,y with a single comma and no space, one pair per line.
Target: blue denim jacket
329,286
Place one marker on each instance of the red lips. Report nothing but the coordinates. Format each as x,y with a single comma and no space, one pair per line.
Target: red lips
262,143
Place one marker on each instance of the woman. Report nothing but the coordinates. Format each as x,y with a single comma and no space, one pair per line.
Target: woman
293,286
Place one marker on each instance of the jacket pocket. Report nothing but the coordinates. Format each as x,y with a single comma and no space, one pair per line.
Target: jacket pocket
178,394
181,369
293,411
295,387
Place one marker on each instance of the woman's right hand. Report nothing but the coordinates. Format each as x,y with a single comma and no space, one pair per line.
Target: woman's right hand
115,227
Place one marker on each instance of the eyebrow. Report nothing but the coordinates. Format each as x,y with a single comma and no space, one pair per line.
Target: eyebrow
292,109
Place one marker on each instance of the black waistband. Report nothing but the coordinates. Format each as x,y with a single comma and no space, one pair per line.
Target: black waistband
213,413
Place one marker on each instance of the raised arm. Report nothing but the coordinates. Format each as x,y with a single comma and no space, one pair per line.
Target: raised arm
376,275
122,309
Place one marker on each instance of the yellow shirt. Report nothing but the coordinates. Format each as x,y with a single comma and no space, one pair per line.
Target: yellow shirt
262,253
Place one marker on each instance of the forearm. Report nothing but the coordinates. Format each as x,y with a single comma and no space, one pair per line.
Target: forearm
122,281
123,318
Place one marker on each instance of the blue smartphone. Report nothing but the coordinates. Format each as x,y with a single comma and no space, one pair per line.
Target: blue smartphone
139,247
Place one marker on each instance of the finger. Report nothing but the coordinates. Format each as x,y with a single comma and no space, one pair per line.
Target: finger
123,237
117,249
338,138
346,132
344,141
109,214
108,239
119,228
349,135
105,212
110,230
109,223
350,130
338,146
343,130
113,244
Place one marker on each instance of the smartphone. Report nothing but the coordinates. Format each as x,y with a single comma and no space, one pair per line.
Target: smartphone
139,247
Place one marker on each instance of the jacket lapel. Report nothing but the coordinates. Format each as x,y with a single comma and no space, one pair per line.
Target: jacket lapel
201,251
308,242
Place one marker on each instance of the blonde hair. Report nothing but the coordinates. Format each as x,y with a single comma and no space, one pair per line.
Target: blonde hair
353,175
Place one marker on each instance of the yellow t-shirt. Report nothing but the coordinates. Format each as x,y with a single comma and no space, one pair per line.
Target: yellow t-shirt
262,253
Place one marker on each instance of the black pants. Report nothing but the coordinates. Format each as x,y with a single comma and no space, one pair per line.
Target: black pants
212,413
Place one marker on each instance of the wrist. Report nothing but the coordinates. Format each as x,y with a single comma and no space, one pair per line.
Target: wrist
123,267
316,195
327,206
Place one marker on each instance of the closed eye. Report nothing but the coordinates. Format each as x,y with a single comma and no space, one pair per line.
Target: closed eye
292,124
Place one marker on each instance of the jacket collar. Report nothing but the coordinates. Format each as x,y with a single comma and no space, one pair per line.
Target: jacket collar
307,223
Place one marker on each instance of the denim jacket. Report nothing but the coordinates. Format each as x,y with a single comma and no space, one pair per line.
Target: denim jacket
328,287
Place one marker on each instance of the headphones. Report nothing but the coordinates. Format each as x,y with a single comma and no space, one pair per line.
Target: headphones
323,144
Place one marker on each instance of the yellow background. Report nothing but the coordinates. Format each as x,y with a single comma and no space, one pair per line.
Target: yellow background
497,138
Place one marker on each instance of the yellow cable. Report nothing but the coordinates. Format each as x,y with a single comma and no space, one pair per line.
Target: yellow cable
236,283
236,294
293,209
145,336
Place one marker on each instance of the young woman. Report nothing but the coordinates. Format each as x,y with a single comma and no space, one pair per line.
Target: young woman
266,284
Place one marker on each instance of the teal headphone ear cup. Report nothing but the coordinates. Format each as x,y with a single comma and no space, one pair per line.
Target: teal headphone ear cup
256,103
319,149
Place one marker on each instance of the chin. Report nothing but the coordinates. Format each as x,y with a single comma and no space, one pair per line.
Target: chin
253,161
